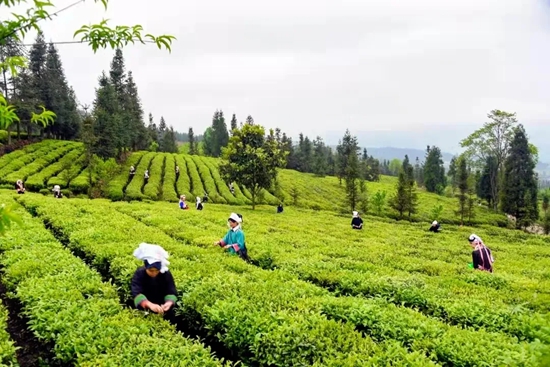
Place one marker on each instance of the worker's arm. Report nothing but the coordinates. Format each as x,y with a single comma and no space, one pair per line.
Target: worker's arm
137,290
172,293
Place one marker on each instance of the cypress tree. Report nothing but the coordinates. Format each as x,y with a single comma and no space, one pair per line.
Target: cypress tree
106,124
462,182
234,123
434,171
192,143
519,194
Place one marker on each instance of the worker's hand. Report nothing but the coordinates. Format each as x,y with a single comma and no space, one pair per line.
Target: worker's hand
155,308
226,246
217,243
167,306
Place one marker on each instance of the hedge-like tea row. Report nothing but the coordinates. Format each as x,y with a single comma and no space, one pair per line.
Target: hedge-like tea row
330,257
40,163
153,188
197,188
183,184
64,177
7,158
7,347
38,181
378,319
81,183
208,181
115,190
264,317
133,190
69,305
221,186
169,184
23,160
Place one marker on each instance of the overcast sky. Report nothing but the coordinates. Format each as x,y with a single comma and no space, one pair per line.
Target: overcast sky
320,66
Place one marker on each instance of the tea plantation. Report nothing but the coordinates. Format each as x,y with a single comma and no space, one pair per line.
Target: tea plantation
316,293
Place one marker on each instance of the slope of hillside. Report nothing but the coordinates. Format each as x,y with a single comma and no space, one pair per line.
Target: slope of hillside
49,162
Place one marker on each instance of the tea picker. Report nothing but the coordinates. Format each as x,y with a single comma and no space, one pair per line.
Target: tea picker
198,205
435,227
482,259
356,221
183,204
234,240
153,286
57,192
19,187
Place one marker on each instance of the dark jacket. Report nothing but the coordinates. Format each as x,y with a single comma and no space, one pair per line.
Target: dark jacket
357,223
157,290
482,259
435,228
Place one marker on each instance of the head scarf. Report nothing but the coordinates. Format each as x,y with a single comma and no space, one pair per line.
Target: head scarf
152,254
475,239
236,217
355,214
198,200
434,223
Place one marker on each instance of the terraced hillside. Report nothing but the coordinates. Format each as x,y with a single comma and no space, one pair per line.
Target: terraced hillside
49,163
316,292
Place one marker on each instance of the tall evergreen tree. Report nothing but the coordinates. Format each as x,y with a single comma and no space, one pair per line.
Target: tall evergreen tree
234,124
133,113
453,174
488,175
249,120
419,172
162,129
319,157
519,194
462,182
349,163
168,143
545,202
192,143
434,171
400,200
220,135
152,129
106,120
347,146
59,98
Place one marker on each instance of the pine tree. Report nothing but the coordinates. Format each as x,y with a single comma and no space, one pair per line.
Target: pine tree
152,129
453,174
319,157
412,195
434,171
519,193
37,67
419,172
192,144
220,135
400,200
234,123
462,182
106,124
59,98
168,143
138,136
488,175
117,74
249,120
162,129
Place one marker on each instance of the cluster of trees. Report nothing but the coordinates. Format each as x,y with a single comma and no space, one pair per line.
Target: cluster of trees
42,85
117,117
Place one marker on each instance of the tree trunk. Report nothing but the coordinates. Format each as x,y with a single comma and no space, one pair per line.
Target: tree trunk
19,131
9,135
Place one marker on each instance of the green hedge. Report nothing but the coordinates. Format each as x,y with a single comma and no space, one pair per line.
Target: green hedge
7,347
85,320
208,181
263,317
115,190
197,187
184,182
38,181
154,186
64,177
133,190
169,180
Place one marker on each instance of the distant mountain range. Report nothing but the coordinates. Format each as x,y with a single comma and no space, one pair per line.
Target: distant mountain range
389,153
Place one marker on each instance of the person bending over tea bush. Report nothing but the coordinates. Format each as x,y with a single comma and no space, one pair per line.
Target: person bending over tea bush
153,286
234,241
435,227
356,221
481,256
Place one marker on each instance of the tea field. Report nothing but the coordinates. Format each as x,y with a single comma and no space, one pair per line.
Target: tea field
315,294
54,162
